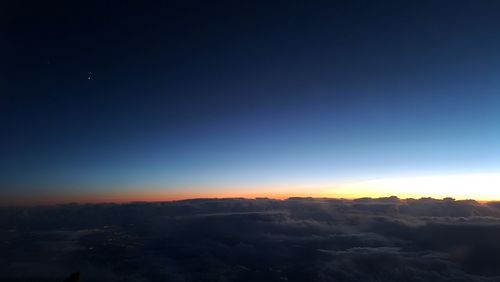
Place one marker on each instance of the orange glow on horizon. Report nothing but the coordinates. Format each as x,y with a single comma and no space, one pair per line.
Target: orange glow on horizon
149,196
481,187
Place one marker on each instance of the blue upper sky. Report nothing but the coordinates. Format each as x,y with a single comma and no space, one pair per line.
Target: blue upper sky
109,96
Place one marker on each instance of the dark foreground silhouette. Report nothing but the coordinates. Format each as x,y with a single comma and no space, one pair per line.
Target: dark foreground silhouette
74,277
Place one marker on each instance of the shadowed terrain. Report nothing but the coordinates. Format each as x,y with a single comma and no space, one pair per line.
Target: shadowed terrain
299,239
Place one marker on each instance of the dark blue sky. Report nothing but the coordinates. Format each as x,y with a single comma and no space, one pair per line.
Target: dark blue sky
115,95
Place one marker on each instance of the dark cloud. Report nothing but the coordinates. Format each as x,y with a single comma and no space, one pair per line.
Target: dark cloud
300,239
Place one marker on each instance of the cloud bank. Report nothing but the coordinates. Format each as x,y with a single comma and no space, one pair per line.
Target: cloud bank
299,239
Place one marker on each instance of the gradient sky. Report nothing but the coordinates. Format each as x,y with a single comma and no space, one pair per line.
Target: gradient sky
240,97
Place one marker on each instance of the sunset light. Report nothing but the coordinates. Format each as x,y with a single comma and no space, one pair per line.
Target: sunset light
468,186
250,140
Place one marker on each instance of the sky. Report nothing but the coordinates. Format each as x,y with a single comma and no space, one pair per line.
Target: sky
143,100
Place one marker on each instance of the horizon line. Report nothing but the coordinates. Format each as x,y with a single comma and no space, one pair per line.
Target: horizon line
44,203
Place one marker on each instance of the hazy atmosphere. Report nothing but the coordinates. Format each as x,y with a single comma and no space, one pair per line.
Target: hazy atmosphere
191,140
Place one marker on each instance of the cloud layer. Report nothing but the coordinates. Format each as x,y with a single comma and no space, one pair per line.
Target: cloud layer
299,239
